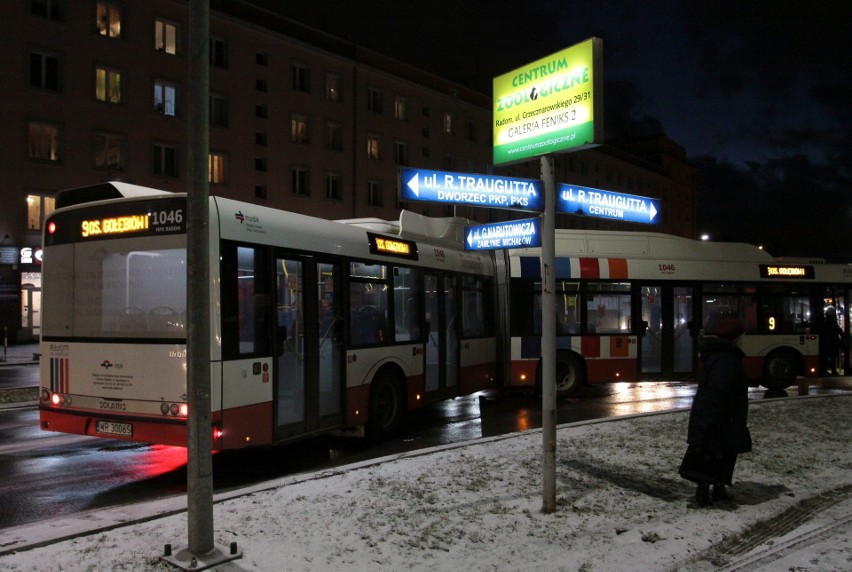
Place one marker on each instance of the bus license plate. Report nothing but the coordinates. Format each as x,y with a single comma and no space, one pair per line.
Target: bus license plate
113,428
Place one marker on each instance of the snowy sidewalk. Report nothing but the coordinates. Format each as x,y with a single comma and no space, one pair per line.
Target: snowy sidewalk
476,506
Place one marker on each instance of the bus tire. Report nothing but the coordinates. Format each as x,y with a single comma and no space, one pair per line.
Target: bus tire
387,405
570,374
780,369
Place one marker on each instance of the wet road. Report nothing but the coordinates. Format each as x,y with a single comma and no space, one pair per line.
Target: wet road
47,474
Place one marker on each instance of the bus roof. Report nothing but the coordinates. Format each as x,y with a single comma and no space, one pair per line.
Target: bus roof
102,192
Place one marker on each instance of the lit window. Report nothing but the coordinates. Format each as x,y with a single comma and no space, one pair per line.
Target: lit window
216,168
44,141
108,20
108,85
374,150
165,36
38,207
299,129
400,108
448,123
165,98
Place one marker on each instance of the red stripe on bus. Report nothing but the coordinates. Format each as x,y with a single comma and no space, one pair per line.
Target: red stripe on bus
590,268
617,268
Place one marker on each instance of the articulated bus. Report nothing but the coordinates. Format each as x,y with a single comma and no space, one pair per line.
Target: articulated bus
632,305
322,326
316,326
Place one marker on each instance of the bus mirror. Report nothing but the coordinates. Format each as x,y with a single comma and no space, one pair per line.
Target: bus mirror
644,327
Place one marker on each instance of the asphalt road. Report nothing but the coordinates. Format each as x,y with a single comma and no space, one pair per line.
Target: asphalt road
48,474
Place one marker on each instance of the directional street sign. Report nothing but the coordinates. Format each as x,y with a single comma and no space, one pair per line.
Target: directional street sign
573,199
524,233
471,189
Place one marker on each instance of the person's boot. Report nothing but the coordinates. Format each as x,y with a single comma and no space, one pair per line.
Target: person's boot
720,493
702,495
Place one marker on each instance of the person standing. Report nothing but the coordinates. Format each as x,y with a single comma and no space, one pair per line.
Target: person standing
718,420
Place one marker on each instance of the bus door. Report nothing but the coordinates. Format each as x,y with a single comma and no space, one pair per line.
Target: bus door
834,332
667,350
442,339
308,393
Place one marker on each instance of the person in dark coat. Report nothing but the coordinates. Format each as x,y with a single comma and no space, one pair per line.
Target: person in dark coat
718,421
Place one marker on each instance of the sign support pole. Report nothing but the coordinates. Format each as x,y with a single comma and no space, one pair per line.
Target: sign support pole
201,552
548,335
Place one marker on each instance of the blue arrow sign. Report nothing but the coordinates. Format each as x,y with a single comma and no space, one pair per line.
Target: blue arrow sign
524,233
471,189
573,199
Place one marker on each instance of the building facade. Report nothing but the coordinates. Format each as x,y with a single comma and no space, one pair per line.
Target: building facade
299,120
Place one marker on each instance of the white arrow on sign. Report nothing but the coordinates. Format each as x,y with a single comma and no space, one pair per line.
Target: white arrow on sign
653,211
414,184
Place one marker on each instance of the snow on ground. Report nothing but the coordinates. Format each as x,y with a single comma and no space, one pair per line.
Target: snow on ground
621,506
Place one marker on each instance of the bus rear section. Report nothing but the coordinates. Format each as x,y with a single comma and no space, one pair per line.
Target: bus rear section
114,337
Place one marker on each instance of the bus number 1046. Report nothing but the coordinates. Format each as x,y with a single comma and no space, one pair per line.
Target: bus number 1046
174,216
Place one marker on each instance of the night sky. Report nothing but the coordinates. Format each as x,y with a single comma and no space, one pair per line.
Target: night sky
758,93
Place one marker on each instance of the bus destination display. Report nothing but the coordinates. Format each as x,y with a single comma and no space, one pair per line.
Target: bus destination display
392,246
788,272
156,218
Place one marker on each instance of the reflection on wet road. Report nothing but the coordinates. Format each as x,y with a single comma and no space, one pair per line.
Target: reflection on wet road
48,474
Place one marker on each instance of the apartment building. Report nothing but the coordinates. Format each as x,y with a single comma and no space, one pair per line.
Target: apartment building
299,120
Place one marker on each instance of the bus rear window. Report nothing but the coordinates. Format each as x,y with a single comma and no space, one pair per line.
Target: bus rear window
116,289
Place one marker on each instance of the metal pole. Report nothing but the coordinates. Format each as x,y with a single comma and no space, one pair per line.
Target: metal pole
548,335
199,469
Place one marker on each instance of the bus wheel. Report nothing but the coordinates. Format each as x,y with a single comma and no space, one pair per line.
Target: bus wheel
570,374
387,405
781,370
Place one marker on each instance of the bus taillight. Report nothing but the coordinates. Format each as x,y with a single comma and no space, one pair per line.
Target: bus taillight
58,399
174,409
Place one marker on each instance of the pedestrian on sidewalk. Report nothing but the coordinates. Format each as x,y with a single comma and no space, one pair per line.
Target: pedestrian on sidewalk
718,421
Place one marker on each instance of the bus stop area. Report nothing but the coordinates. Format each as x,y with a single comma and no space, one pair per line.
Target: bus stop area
477,506
19,354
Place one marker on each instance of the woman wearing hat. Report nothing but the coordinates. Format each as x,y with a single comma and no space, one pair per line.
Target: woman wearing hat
718,421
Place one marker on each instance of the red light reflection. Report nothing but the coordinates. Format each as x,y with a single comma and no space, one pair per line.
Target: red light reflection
160,459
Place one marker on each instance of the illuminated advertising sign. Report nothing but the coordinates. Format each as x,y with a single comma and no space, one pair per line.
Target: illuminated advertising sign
787,272
510,234
471,189
392,246
553,104
584,201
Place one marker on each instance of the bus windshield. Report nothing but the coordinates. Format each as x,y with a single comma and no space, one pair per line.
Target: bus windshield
122,288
